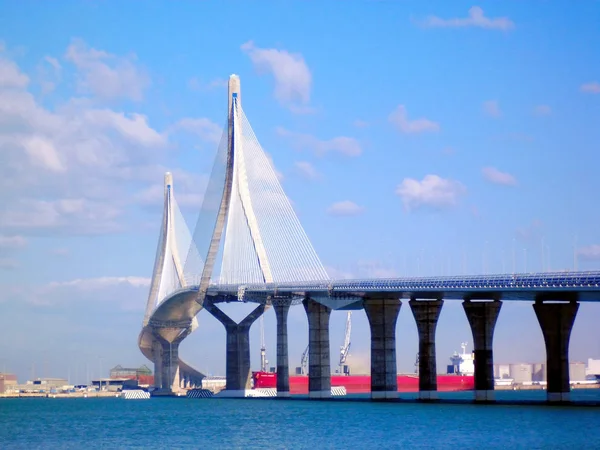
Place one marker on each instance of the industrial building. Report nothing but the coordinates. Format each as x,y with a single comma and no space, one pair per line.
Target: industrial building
528,373
593,368
142,374
114,384
214,383
8,381
43,385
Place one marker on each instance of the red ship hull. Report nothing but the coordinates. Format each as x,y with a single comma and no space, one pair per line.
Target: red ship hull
359,384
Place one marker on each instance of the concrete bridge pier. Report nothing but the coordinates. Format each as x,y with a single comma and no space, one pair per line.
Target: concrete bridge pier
427,313
283,368
382,313
237,370
556,321
482,316
157,352
319,364
166,361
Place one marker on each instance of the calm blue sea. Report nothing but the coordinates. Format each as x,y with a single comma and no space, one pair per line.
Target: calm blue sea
269,423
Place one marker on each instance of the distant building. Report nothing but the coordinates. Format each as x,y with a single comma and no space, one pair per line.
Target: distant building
577,371
142,374
521,373
115,384
539,373
502,371
214,384
43,385
593,367
48,382
7,382
526,373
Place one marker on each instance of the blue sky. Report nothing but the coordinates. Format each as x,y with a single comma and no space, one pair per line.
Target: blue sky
413,138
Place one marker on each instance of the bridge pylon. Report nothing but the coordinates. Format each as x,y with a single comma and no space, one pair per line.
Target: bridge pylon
162,332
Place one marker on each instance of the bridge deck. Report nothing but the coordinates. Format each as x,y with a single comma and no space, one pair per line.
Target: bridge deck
506,286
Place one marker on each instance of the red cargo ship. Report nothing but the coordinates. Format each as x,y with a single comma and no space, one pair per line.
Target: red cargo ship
359,384
459,377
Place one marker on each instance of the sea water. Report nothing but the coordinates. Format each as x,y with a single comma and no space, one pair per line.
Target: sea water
289,424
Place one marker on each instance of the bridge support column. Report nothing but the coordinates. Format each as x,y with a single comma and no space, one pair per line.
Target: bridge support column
482,317
166,361
237,370
157,352
556,321
382,314
427,313
283,368
319,365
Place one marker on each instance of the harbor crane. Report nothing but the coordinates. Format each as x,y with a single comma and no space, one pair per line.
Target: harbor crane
304,362
344,349
263,350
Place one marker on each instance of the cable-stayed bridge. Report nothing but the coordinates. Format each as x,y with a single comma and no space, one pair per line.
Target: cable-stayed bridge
248,245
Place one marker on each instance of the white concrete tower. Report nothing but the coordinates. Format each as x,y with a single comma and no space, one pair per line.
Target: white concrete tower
234,90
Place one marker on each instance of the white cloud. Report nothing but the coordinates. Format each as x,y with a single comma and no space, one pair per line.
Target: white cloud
292,76
8,246
11,76
542,110
206,129
494,175
132,127
67,215
53,62
345,208
49,73
590,252
42,152
12,242
492,108
125,293
432,191
307,170
343,145
591,88
86,163
476,18
360,123
399,118
105,75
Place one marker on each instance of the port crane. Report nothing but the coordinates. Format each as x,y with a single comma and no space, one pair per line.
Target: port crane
344,349
304,362
263,350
